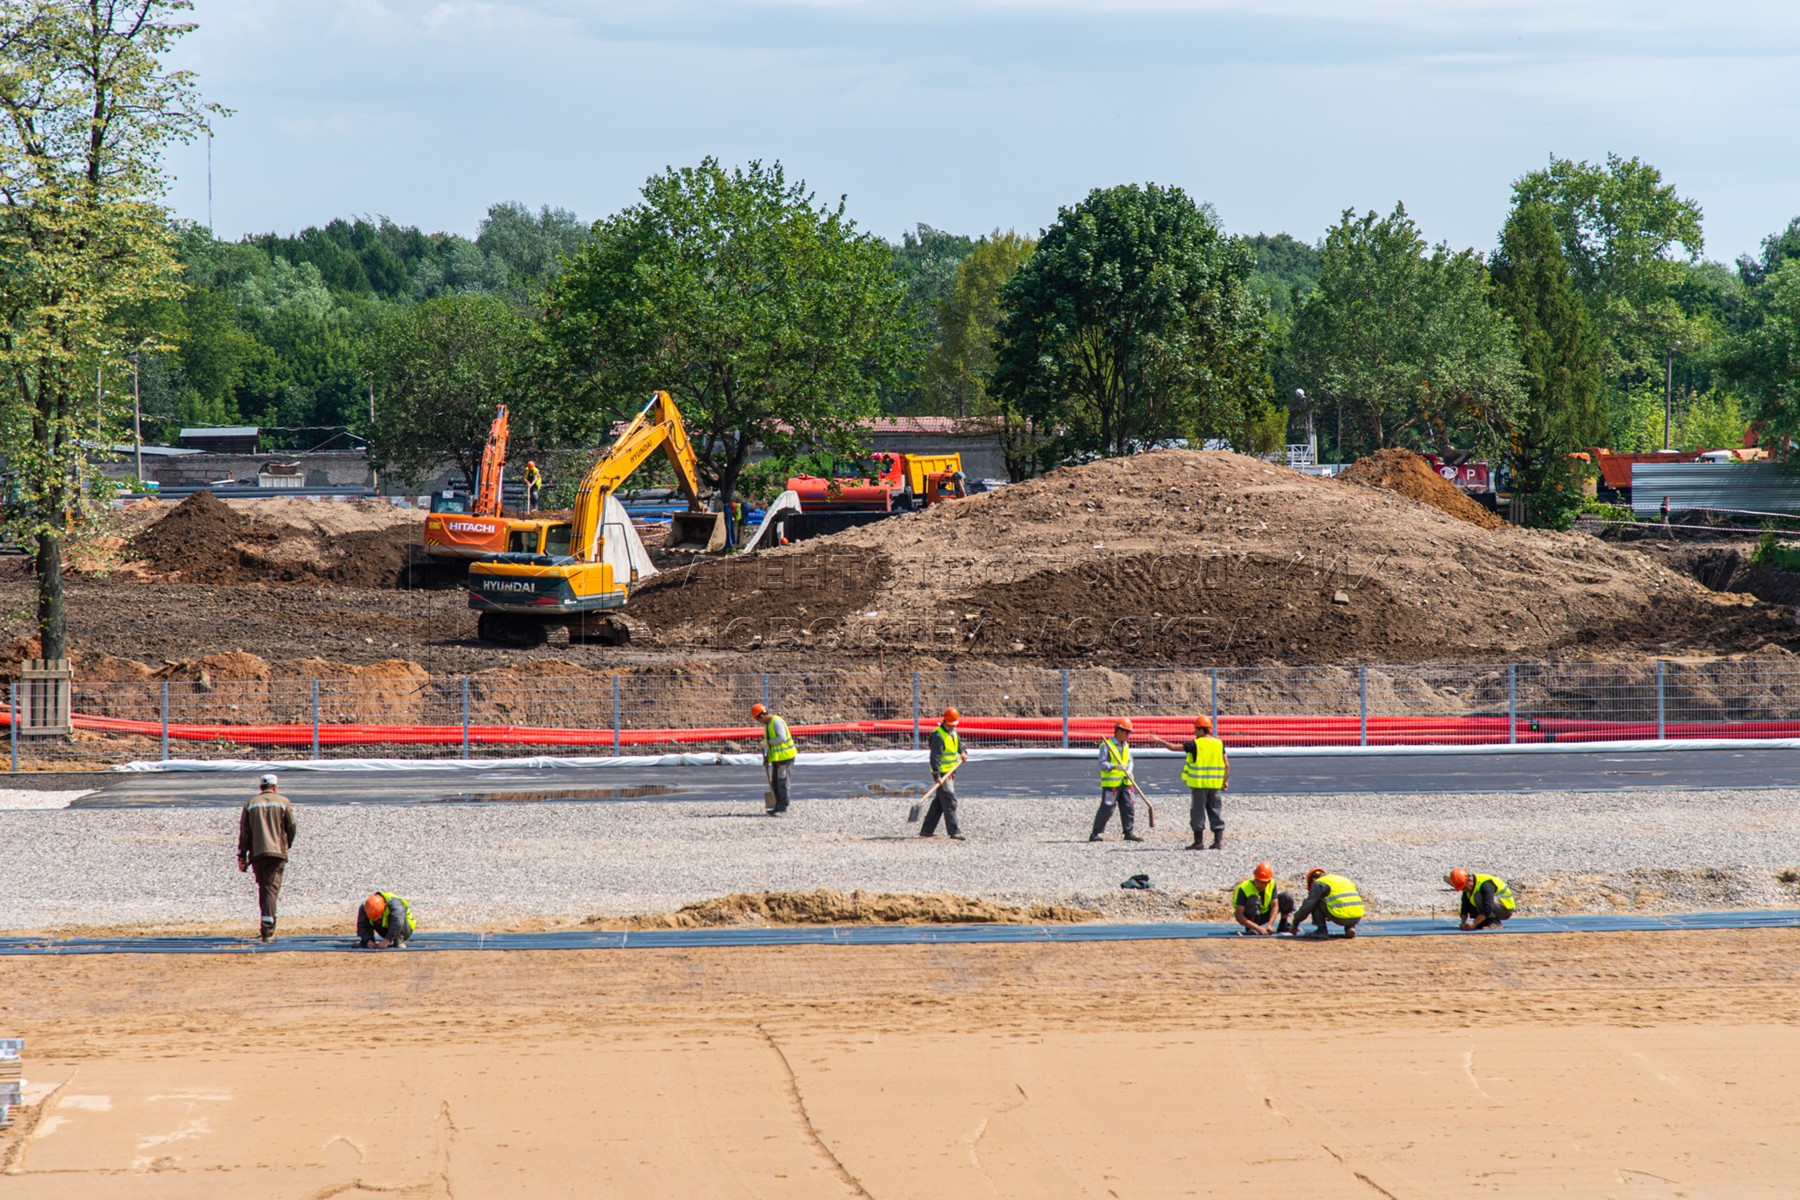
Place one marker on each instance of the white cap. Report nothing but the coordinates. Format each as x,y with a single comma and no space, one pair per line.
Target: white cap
267,780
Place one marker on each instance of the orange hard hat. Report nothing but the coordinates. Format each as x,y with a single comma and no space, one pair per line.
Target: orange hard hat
374,906
1312,876
529,463
1123,723
1458,878
1263,873
951,716
758,709
1203,722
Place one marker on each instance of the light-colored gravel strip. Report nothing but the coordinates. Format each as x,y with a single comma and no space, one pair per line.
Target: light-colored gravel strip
472,865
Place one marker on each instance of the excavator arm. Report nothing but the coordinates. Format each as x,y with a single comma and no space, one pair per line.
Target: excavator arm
493,468
656,427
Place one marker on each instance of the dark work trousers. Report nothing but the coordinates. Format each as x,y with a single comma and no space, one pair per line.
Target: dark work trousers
780,774
1284,904
1320,920
268,871
943,803
367,934
1207,807
1120,798
1493,910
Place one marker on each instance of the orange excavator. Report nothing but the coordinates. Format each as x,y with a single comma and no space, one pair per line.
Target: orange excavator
462,528
570,579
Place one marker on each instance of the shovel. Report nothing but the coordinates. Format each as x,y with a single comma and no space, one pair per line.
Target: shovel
769,792
918,809
1148,807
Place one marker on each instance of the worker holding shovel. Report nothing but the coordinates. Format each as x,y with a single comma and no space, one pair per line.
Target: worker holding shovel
779,753
947,754
1116,784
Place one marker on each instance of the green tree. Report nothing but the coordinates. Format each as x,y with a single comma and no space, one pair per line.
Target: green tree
1765,360
1626,235
772,320
1406,341
528,248
1287,270
962,363
440,368
1564,406
926,260
87,105
1132,323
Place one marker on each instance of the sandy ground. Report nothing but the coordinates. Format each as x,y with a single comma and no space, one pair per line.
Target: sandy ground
1627,1065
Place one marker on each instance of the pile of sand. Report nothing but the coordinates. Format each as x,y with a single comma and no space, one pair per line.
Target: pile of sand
829,907
1197,558
1409,474
203,540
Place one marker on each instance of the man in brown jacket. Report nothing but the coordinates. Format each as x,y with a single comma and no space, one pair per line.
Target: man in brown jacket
266,830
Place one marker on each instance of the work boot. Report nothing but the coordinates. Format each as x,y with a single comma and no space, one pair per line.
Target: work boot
1199,843
956,837
1284,926
1132,837
1093,837
1218,837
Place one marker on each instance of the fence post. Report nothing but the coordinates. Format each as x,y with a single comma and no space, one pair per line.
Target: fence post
1362,688
1661,733
1065,707
315,707
765,689
1215,701
165,721
915,710
12,721
615,716
465,715
1512,704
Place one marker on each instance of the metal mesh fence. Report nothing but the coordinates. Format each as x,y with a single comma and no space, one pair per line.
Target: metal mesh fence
413,715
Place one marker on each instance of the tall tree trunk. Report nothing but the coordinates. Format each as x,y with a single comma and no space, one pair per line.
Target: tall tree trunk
53,621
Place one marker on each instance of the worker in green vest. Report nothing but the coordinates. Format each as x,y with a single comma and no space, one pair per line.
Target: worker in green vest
1330,900
779,753
947,754
1255,903
534,486
385,916
1115,783
1486,900
1207,773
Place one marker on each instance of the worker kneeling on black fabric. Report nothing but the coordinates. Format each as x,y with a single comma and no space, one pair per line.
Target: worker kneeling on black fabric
1330,900
385,916
1486,900
1255,904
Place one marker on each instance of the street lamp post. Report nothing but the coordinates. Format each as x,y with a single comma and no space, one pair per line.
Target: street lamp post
1669,392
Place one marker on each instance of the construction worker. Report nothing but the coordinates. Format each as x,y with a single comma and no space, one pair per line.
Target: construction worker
778,755
1255,903
734,521
534,486
385,916
1116,783
1207,773
266,832
1486,900
947,754
1330,899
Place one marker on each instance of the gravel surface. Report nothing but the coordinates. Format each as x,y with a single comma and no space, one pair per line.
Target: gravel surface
467,865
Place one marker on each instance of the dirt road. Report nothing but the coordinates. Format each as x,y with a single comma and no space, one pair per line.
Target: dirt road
1591,1065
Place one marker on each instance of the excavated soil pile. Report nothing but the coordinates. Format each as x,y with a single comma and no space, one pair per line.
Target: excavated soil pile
202,540
1203,558
830,907
1407,473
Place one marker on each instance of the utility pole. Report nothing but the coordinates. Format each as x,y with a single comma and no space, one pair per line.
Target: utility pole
374,476
137,420
1669,392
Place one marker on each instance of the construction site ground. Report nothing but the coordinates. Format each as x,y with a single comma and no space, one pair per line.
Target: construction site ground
1603,1065
1167,558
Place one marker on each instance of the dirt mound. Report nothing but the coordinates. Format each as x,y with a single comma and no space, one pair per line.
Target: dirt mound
1199,558
1407,473
829,907
202,540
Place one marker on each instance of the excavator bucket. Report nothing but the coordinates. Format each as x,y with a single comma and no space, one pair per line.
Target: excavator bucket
702,532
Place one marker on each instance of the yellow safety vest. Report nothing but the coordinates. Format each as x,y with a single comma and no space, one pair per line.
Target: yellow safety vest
1248,895
1117,768
1345,902
1205,767
781,743
951,754
1502,893
388,898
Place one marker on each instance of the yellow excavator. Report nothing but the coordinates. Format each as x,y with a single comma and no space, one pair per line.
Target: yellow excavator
521,596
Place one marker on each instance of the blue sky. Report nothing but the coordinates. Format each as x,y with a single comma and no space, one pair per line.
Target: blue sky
991,113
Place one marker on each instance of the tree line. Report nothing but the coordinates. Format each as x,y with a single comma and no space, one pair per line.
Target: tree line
1133,320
